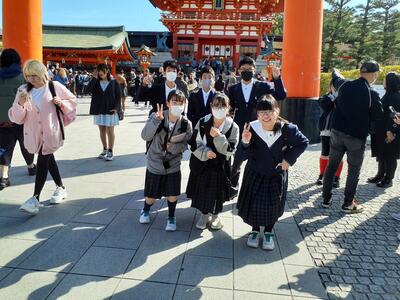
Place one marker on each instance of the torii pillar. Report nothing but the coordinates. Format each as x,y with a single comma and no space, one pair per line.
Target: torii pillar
301,63
22,27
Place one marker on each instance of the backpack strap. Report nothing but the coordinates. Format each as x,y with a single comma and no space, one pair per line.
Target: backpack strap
58,109
148,144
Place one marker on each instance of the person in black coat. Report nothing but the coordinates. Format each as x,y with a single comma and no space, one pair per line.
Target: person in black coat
199,102
105,105
385,143
244,97
270,145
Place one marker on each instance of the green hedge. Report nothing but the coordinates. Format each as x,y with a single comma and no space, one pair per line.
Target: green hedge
354,74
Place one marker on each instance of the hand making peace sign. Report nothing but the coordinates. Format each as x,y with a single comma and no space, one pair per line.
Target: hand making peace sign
160,112
246,135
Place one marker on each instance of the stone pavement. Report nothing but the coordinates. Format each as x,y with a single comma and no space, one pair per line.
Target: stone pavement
92,246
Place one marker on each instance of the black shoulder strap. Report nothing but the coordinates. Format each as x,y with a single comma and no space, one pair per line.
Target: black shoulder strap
184,125
148,144
58,109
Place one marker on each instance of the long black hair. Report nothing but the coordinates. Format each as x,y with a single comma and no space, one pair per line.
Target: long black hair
268,102
105,69
9,57
392,82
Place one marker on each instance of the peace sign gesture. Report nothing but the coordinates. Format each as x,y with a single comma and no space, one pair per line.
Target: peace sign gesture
246,135
160,112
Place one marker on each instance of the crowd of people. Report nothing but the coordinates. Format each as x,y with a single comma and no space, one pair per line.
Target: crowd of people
223,120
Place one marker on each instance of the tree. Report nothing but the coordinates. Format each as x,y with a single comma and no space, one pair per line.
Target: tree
363,21
277,29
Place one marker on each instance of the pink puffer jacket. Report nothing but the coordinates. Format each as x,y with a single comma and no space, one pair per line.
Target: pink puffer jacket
42,128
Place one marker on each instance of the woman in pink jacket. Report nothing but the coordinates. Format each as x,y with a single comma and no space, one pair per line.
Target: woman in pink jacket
35,107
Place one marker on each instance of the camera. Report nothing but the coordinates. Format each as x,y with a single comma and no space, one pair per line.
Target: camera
393,112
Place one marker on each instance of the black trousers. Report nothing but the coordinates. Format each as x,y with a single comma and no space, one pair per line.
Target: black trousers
8,139
387,168
235,175
45,164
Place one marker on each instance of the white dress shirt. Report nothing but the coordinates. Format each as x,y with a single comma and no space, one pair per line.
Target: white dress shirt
246,88
168,90
269,137
205,96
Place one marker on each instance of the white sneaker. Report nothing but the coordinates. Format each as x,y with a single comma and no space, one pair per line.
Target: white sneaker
396,216
109,156
144,217
253,239
30,206
102,155
59,195
216,222
203,221
171,224
268,241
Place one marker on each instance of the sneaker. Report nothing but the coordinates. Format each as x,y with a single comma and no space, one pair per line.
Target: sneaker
327,203
253,239
385,184
336,183
319,180
203,221
171,224
396,216
32,171
268,241
59,195
144,217
109,156
216,223
102,155
353,208
30,206
4,182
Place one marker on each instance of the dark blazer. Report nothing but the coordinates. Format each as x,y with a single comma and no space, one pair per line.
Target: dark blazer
104,101
246,112
196,108
356,106
327,105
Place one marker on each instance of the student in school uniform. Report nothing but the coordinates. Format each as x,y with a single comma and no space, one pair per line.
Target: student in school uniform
270,145
167,133
216,137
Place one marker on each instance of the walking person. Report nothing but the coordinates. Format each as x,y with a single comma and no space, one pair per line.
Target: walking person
244,97
356,106
35,107
11,78
385,143
124,88
167,133
327,104
105,104
216,138
270,145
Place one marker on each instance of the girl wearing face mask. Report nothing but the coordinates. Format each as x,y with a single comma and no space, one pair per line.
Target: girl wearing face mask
216,139
270,145
167,133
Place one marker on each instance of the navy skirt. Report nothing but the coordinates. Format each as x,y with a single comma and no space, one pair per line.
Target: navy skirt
158,186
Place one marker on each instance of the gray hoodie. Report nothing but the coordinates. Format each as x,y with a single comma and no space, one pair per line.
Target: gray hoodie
156,155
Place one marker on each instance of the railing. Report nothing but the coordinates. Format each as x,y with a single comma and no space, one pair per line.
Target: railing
216,16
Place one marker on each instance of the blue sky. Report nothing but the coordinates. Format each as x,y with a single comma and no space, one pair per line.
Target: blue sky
137,15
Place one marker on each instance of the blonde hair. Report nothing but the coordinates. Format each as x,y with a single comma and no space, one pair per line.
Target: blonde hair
35,67
62,72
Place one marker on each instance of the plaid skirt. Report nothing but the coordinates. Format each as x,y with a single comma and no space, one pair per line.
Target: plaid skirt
158,186
208,189
262,199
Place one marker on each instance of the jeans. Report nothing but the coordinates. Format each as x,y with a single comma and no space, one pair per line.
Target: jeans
354,148
8,139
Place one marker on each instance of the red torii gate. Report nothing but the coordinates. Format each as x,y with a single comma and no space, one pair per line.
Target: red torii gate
22,30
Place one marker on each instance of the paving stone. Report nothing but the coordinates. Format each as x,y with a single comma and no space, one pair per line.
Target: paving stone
258,296
4,272
134,289
14,251
84,287
111,262
305,282
184,292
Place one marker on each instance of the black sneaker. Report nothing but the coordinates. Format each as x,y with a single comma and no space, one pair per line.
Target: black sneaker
352,208
375,179
319,180
385,184
336,182
32,171
327,203
4,182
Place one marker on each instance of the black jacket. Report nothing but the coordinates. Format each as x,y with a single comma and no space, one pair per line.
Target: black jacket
104,101
246,112
327,104
196,108
357,105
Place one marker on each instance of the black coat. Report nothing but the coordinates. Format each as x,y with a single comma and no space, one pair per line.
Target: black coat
327,105
104,101
196,108
379,147
356,107
246,112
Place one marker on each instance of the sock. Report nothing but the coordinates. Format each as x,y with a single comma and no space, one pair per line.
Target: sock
256,228
110,150
171,209
323,163
339,169
147,206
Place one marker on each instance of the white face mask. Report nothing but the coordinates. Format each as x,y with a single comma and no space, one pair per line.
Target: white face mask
171,76
177,110
219,113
